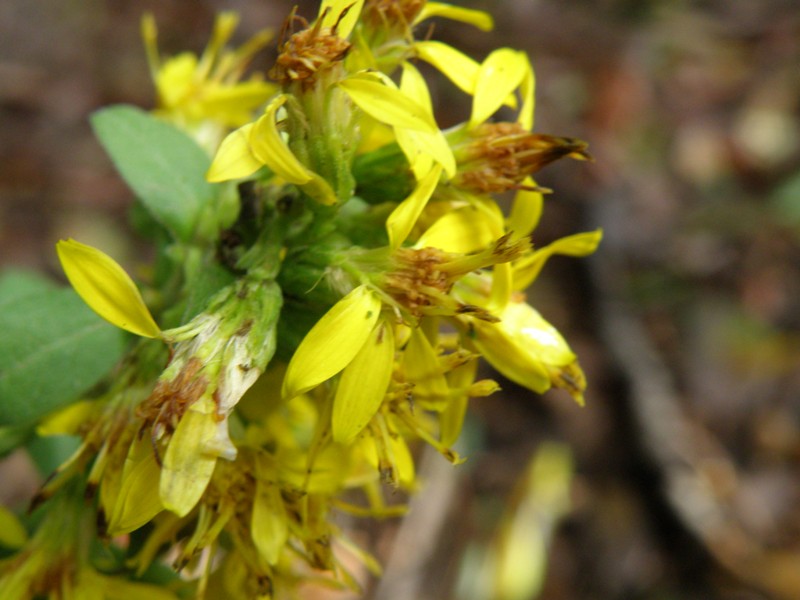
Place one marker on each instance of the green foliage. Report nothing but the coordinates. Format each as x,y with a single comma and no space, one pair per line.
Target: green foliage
52,349
162,165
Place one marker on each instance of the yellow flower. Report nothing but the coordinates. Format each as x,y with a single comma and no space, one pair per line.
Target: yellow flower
527,349
194,89
106,288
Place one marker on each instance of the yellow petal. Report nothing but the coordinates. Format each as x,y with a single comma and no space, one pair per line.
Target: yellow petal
405,215
421,367
520,548
580,244
363,385
67,420
526,211
527,90
453,64
413,85
234,159
224,26
333,341
149,32
451,420
268,147
12,533
478,18
233,104
269,524
106,288
463,230
175,78
187,464
388,104
345,24
499,75
502,286
402,460
138,500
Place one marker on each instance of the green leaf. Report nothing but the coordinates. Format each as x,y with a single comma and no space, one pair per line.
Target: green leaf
13,437
52,349
49,452
15,285
162,165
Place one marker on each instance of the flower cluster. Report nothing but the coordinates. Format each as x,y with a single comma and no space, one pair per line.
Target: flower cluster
354,268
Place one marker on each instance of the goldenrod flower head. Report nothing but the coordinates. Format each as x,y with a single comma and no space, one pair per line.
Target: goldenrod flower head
307,54
192,90
422,278
336,322
218,356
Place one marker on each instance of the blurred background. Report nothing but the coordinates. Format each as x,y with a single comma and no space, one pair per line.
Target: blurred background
680,479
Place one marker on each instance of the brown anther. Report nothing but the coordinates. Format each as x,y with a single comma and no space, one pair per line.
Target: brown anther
308,52
477,312
391,14
169,400
418,274
502,155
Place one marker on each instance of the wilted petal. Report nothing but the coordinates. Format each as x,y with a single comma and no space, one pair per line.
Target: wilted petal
187,464
405,215
363,385
106,288
138,500
333,341
269,524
